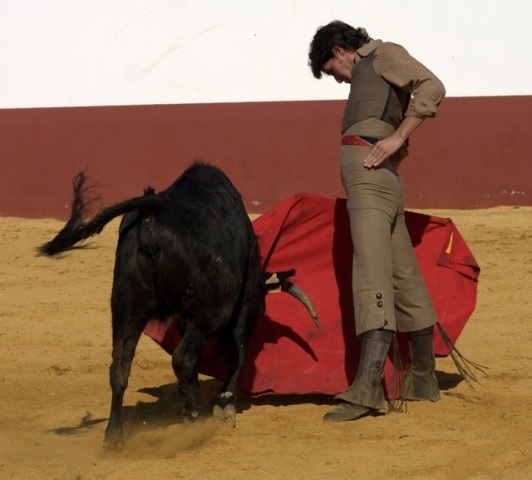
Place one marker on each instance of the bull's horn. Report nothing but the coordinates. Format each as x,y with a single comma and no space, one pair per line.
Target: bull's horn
296,292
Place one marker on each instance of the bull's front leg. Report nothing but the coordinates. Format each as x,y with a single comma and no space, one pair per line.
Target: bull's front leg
224,410
234,339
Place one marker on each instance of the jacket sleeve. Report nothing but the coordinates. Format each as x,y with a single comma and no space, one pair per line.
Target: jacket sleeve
398,67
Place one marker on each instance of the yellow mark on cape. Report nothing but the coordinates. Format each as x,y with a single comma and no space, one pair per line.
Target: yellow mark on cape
450,244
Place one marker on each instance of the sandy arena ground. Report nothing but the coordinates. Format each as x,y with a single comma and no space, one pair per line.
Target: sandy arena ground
55,340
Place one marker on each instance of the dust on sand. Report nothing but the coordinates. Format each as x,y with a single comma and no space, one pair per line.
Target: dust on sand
55,339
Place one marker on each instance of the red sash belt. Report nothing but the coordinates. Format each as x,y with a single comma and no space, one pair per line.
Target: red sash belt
359,141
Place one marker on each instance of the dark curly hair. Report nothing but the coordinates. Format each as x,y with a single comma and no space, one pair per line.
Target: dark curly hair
334,34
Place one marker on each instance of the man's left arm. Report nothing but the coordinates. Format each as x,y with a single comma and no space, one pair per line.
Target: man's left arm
389,145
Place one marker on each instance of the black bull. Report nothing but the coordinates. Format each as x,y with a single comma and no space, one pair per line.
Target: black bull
190,253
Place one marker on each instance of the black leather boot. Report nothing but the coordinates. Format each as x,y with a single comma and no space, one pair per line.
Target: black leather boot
420,382
365,394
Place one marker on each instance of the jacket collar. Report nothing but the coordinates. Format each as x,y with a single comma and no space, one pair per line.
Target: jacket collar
367,48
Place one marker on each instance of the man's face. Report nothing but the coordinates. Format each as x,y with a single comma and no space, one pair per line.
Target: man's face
340,65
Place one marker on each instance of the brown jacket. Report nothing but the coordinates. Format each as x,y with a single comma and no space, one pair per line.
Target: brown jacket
381,84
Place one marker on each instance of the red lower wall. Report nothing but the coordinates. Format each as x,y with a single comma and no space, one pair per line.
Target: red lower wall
475,154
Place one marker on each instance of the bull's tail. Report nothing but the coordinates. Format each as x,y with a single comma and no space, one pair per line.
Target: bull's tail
77,229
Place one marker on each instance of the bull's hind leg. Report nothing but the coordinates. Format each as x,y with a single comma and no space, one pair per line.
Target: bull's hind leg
125,340
184,362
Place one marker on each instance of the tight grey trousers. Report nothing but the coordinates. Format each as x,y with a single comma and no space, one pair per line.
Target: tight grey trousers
388,289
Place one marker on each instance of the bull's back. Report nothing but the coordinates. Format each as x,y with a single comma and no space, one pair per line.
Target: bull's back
207,204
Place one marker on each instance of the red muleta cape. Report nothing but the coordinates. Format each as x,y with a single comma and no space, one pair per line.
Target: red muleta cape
287,354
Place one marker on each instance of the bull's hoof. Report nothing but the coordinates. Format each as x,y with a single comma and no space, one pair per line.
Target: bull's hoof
113,442
224,411
345,412
225,415
190,416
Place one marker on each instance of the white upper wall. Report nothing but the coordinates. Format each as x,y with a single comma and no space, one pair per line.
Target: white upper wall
56,53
